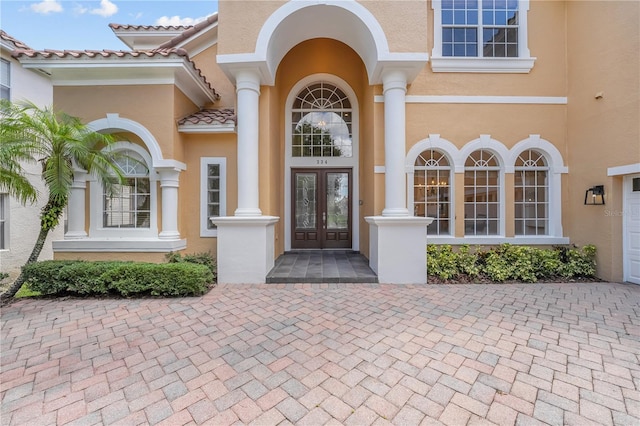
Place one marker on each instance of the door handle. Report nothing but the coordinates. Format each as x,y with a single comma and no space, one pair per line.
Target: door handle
324,220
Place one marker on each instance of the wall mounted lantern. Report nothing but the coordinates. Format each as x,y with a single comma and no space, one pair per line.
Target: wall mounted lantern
596,197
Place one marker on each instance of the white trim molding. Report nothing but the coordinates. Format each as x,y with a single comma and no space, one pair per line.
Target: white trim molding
481,99
627,169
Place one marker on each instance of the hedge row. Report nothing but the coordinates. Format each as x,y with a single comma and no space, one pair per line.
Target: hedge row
508,262
124,278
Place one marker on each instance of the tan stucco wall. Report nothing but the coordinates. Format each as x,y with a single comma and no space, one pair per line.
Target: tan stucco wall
150,106
206,61
248,17
602,132
547,42
138,257
196,147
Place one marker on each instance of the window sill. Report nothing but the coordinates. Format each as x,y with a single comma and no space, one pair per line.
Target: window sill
119,245
495,240
482,65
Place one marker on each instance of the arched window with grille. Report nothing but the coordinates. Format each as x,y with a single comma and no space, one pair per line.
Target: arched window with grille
322,122
482,193
531,194
432,191
128,204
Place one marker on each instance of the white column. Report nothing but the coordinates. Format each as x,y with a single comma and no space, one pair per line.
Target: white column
76,207
394,90
169,183
248,92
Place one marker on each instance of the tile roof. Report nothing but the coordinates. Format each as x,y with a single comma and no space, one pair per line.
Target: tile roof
208,21
164,52
17,43
209,116
191,31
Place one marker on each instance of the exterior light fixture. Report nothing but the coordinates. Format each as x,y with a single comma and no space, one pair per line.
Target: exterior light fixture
594,196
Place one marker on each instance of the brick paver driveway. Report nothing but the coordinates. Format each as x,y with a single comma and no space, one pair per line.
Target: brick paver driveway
329,354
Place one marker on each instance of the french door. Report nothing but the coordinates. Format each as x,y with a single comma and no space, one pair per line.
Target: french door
321,206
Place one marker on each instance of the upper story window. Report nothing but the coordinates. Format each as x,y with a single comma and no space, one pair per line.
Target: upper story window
321,120
480,28
129,204
5,79
531,194
432,191
481,36
482,194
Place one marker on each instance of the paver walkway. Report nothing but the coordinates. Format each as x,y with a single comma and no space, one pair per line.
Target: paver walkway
329,354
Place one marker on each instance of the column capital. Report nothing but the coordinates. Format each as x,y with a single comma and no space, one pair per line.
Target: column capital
394,79
169,176
247,79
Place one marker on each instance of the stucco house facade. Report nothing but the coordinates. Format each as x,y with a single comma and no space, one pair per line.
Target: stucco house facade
372,126
19,224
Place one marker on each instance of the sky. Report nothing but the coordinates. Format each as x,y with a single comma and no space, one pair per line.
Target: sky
84,24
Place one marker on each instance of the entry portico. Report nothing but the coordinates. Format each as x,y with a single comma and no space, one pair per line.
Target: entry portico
353,25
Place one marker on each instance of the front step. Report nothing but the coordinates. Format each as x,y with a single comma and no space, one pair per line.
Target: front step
321,266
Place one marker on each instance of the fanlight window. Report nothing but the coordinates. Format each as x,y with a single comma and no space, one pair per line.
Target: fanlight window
128,205
432,191
482,194
321,117
531,194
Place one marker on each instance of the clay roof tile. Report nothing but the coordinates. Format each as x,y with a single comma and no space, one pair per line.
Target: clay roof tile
209,116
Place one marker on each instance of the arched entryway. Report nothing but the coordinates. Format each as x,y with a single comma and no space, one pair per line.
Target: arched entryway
321,173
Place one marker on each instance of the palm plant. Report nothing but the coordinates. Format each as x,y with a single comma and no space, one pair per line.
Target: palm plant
60,143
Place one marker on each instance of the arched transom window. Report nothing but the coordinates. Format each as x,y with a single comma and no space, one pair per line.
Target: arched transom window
432,190
531,194
482,194
128,205
321,120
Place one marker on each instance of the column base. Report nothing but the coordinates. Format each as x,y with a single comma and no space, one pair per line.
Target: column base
75,235
398,248
246,250
169,235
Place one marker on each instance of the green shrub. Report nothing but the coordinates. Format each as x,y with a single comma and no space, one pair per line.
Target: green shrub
497,265
578,262
43,277
508,262
86,277
169,279
467,261
441,261
123,278
203,258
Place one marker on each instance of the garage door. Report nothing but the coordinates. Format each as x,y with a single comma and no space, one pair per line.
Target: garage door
631,229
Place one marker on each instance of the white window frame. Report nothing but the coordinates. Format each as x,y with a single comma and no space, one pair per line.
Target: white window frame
8,83
96,199
535,202
521,64
500,231
4,219
205,231
449,169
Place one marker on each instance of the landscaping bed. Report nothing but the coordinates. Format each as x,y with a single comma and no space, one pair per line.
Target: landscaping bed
507,263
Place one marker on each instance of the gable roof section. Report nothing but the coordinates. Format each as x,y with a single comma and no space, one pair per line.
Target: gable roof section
162,37
111,67
10,42
209,120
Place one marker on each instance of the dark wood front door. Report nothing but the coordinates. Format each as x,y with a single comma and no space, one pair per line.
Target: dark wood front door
321,206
